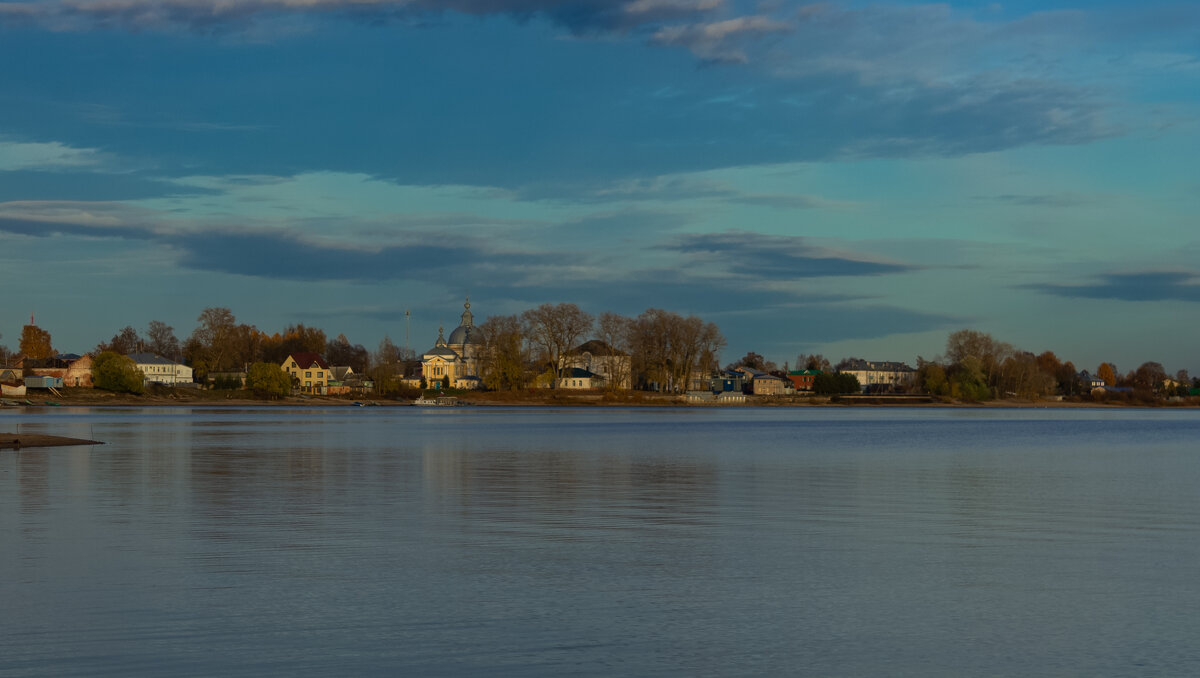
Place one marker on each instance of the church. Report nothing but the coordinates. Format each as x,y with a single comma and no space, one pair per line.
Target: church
455,361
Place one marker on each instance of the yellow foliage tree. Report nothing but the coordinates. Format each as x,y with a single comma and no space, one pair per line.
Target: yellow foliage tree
35,343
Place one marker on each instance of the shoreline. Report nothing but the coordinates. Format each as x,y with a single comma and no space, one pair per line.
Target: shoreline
217,399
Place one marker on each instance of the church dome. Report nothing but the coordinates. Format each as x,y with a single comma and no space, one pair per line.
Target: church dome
466,333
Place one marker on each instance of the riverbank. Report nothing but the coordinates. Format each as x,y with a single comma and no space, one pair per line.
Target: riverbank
180,397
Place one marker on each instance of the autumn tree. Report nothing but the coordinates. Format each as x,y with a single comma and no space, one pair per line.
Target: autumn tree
295,339
556,329
161,340
989,353
504,353
931,378
1108,373
35,343
1048,363
1068,378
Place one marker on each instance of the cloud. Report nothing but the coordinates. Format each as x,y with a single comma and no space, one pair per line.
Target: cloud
1062,200
49,156
1146,286
579,16
718,41
272,253
286,257
766,257
671,188
93,219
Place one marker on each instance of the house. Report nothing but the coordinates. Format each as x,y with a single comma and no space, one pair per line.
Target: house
70,368
12,382
159,370
878,376
1089,382
309,371
469,382
43,381
802,380
611,368
577,377
728,381
345,381
767,384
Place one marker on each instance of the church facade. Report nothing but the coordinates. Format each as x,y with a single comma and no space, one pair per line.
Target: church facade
455,361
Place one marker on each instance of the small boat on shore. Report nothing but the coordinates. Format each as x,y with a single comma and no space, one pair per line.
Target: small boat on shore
439,401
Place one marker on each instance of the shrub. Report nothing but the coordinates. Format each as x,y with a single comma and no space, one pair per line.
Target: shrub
266,379
115,372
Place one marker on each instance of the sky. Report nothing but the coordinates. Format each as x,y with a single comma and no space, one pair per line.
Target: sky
845,178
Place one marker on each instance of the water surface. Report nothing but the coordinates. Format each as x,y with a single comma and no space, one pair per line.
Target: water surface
599,542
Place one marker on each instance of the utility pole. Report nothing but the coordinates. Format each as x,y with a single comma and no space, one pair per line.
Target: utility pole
406,349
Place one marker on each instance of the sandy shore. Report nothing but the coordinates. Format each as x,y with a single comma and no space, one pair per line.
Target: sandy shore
22,440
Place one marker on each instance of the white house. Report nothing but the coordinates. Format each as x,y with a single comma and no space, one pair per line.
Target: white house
879,375
159,370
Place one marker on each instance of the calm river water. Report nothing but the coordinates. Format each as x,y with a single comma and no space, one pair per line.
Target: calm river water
602,542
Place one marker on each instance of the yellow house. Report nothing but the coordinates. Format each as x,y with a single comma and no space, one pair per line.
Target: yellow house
309,371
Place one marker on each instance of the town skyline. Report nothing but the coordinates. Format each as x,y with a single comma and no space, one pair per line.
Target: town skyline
843,179
133,339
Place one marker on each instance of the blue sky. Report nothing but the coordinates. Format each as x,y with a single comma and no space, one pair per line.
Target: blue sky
845,178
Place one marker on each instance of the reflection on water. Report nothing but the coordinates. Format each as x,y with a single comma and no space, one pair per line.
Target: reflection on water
601,542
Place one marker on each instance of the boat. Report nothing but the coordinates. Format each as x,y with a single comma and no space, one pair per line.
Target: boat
439,401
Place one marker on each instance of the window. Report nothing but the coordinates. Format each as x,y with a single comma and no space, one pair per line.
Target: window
308,374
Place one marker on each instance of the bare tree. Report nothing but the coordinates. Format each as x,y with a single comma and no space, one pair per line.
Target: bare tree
161,340
556,329
386,368
124,342
212,341
813,361
668,348
613,331
341,352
